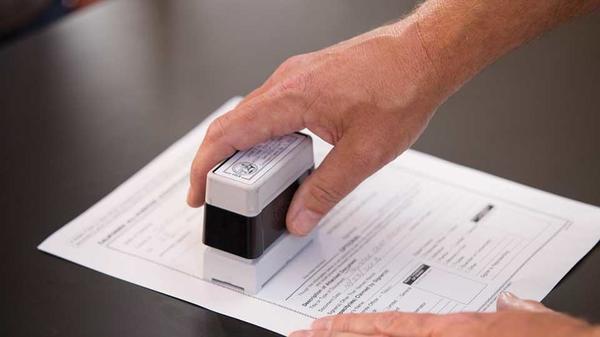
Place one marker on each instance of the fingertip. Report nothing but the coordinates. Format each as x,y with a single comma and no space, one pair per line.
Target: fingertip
193,200
504,301
294,229
304,221
299,219
305,211
509,301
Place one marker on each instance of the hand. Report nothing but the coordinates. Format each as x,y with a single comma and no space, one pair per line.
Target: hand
515,318
370,97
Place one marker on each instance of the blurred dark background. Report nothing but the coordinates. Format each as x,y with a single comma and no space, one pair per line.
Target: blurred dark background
88,100
21,17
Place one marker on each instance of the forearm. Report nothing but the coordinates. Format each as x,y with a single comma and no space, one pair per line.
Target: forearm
461,37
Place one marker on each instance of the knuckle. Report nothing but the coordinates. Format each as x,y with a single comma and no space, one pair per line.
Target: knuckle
387,320
329,333
424,324
294,60
287,65
249,115
249,121
427,319
324,194
294,85
216,129
340,322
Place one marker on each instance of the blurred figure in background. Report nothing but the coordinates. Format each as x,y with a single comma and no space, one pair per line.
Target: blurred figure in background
19,17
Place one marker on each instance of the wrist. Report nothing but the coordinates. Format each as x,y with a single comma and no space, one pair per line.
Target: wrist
442,63
461,37
450,32
411,66
393,66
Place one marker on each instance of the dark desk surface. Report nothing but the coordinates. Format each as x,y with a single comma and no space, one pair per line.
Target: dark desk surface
89,101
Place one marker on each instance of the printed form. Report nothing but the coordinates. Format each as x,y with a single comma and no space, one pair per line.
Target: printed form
421,235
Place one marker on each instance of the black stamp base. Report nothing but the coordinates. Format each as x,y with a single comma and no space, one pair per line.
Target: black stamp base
248,237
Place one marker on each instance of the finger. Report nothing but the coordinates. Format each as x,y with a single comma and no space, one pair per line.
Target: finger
351,161
323,333
357,323
508,301
395,324
257,121
206,158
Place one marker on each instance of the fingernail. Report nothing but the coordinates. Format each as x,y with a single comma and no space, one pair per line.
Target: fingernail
305,220
509,301
506,301
508,294
322,323
302,333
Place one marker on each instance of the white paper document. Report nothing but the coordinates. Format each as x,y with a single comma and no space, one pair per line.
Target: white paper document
421,235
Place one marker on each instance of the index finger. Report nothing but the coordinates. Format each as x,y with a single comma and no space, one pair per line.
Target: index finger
386,323
249,124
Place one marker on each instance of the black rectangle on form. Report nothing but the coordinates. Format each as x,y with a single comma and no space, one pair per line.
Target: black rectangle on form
482,213
416,274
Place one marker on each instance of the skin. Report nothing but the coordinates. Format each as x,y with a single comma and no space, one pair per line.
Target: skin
515,318
371,97
390,80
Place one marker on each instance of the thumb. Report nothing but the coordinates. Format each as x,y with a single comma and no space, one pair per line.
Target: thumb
350,162
508,301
